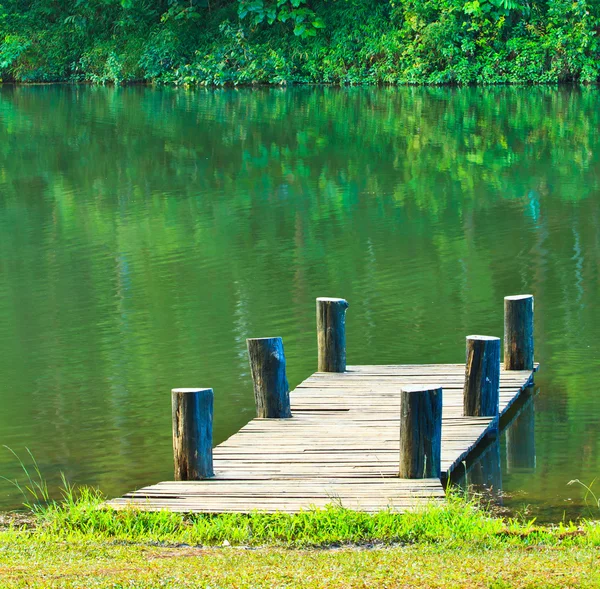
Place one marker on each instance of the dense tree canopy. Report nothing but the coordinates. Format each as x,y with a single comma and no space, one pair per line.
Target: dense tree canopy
283,41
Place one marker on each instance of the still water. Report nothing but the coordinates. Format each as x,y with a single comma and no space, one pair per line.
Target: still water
145,233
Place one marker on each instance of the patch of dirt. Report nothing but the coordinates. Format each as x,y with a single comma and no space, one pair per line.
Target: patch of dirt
176,552
16,519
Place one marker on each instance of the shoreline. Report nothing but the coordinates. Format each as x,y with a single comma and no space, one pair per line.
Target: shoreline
338,86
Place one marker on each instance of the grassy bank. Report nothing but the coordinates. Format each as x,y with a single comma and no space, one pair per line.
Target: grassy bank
455,522
79,544
230,42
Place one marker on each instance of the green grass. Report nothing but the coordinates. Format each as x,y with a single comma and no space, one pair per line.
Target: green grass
79,543
456,522
37,564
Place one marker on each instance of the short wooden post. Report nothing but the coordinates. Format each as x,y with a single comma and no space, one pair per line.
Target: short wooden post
420,432
192,433
331,334
518,332
481,391
267,365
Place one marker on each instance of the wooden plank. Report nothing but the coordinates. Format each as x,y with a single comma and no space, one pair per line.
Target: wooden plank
340,446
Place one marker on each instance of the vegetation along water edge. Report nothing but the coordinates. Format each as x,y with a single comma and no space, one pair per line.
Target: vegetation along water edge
458,543
241,42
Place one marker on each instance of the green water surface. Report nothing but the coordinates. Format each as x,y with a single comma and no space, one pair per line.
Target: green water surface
145,233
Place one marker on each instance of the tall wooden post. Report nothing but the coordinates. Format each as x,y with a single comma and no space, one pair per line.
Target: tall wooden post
267,365
420,432
331,334
518,332
482,376
192,433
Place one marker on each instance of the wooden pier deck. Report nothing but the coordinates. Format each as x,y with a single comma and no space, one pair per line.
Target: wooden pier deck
340,446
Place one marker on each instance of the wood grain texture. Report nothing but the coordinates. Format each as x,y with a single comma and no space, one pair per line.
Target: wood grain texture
518,332
482,376
341,446
267,365
192,433
331,334
420,432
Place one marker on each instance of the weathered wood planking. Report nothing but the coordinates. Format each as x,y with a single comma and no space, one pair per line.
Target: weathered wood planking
341,446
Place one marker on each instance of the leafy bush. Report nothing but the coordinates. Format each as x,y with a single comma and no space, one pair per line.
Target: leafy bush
162,54
106,64
225,42
11,49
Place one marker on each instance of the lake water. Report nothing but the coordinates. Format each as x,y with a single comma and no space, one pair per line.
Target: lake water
145,233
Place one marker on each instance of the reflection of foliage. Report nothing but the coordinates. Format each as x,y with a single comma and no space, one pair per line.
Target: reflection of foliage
355,136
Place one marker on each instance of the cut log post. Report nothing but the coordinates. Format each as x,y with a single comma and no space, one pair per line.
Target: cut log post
192,433
518,332
267,365
331,334
482,376
420,432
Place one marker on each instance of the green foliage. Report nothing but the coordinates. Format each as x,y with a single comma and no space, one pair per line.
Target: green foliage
105,63
190,10
235,61
11,49
283,41
162,54
304,20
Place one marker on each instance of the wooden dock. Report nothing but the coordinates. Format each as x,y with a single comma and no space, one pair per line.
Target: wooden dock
341,446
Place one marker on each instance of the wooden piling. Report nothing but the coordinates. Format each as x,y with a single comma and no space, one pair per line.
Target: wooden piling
331,334
481,393
192,433
420,432
518,332
267,365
